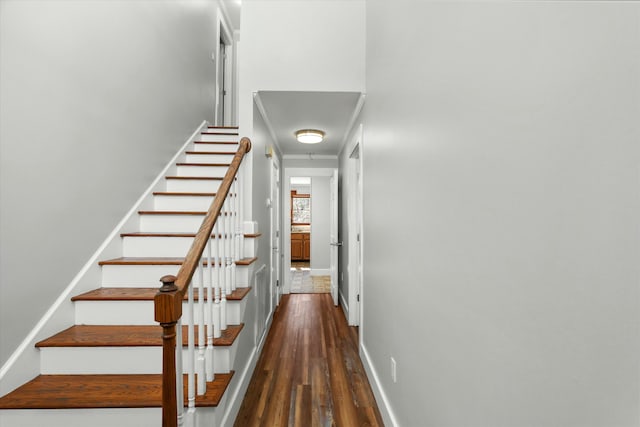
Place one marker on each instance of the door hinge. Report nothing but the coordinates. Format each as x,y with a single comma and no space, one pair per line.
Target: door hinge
277,283
358,297
358,237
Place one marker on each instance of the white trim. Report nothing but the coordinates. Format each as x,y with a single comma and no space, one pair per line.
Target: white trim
386,411
236,78
354,116
225,13
344,305
224,33
32,337
309,157
263,112
320,272
275,214
355,220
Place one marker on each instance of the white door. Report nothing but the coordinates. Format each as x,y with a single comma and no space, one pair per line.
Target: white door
355,234
275,285
335,244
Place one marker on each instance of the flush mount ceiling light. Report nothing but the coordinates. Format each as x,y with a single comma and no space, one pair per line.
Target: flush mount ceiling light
309,136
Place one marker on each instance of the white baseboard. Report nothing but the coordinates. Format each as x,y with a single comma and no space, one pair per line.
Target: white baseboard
320,271
345,306
388,416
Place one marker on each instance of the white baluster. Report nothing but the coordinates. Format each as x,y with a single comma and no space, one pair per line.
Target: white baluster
216,305
229,254
200,368
179,377
241,208
209,356
239,233
223,276
236,235
191,389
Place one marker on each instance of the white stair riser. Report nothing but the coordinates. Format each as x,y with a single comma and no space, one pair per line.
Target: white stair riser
98,417
173,247
182,203
210,171
120,360
208,158
144,276
170,223
141,312
210,137
250,248
217,148
174,223
163,246
193,185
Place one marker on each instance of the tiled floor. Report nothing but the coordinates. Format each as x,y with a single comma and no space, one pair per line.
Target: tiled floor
302,282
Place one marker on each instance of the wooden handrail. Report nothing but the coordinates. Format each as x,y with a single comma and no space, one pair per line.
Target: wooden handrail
168,300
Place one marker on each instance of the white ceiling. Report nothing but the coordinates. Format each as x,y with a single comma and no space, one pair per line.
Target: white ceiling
287,112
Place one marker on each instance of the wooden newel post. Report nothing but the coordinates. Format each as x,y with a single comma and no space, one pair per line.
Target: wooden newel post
167,313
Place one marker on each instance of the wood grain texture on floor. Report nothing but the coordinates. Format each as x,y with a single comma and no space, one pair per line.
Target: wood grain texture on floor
309,372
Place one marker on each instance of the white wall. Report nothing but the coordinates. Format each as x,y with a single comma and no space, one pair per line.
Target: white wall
508,133
96,97
277,38
284,50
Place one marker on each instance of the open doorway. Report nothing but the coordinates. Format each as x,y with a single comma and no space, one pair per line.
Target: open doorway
302,208
307,230
224,59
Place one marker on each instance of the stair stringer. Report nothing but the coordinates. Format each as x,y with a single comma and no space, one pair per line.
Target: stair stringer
24,363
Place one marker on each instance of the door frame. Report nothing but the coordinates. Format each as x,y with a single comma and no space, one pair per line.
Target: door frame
334,237
355,237
224,34
275,238
286,217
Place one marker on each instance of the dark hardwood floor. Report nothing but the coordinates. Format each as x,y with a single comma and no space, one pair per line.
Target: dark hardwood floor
309,372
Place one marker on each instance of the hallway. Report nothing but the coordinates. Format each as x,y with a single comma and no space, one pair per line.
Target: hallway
309,372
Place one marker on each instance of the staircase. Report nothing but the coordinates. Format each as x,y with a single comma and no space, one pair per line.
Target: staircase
105,370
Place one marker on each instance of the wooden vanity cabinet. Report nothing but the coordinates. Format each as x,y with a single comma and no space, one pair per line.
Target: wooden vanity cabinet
300,246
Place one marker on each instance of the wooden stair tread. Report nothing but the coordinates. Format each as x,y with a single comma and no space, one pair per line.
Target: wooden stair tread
103,391
204,164
176,213
161,261
172,213
126,336
176,234
142,294
195,178
186,194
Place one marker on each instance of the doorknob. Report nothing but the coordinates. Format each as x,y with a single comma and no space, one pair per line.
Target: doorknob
336,244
